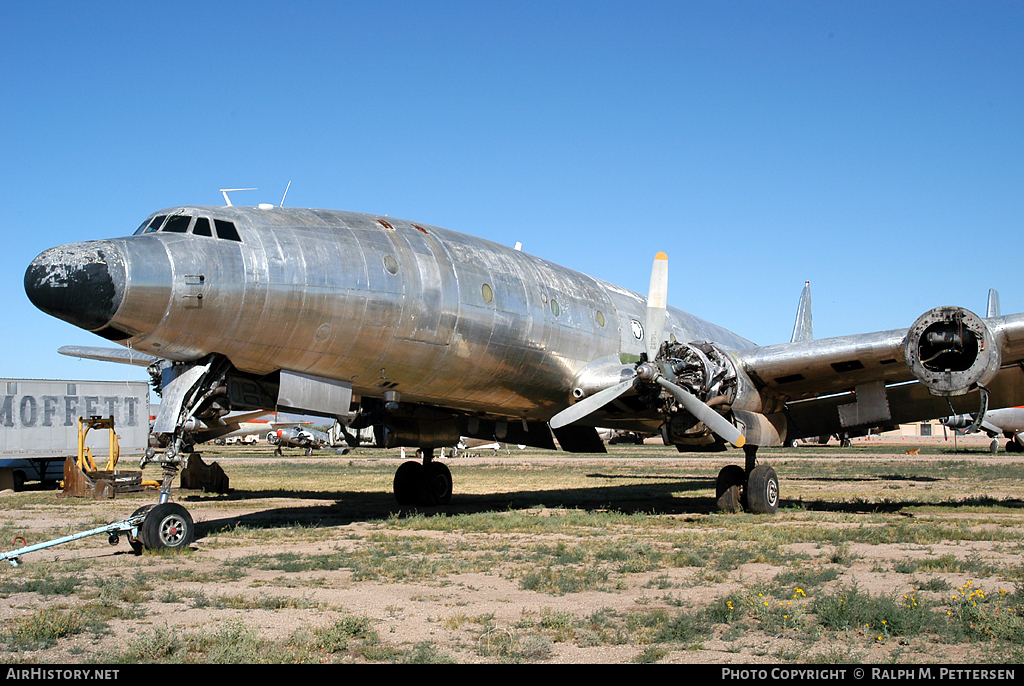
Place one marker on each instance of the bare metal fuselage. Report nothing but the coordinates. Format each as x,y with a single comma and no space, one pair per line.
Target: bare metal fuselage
320,309
440,317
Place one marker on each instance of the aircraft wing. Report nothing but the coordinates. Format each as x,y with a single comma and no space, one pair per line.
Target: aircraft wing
119,355
796,371
886,378
241,418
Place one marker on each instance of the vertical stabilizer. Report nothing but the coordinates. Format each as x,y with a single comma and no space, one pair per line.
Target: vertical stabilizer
993,303
803,330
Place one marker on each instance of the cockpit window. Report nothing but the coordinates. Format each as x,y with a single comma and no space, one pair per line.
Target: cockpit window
202,227
226,230
177,224
180,223
151,226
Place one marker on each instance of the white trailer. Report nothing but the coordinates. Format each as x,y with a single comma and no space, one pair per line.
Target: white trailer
39,423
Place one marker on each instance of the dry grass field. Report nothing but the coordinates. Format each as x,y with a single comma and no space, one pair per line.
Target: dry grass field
875,556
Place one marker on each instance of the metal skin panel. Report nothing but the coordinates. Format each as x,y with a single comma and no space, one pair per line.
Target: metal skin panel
312,393
388,305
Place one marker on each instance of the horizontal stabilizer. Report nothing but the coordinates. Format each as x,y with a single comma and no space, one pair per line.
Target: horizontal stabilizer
119,355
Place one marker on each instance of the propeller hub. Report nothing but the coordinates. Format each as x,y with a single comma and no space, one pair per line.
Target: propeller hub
647,371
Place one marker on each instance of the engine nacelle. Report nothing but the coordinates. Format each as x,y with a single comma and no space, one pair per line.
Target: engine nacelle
958,421
951,351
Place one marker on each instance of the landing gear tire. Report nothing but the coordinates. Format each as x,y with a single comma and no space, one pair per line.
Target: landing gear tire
763,490
407,482
845,443
436,484
993,447
168,525
419,484
728,488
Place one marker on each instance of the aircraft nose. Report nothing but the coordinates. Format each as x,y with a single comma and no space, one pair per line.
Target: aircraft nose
81,283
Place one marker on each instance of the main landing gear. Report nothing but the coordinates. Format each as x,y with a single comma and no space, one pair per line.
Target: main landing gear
753,487
426,483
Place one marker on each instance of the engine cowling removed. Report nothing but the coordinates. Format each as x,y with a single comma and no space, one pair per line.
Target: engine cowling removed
710,375
951,351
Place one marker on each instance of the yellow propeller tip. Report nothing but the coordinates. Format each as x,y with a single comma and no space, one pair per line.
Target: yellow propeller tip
661,256
740,441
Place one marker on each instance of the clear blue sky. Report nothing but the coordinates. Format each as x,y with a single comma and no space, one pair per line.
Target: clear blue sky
875,149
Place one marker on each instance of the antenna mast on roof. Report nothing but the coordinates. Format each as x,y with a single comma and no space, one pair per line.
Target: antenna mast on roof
285,193
225,191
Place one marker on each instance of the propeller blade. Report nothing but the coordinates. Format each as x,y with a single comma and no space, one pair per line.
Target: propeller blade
590,404
718,424
657,300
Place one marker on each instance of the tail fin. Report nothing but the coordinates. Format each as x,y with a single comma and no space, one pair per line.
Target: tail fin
993,303
803,330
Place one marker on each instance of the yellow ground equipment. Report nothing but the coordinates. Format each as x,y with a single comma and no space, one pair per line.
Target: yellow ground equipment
83,478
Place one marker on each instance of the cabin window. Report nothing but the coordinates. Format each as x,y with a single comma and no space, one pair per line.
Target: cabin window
202,227
555,309
487,293
226,230
390,264
600,318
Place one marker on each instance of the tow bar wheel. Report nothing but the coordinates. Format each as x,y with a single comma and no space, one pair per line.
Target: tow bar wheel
168,525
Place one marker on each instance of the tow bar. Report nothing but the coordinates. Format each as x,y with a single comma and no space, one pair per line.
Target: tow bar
129,526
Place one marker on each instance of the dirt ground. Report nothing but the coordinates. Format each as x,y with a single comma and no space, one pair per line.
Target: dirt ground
537,559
